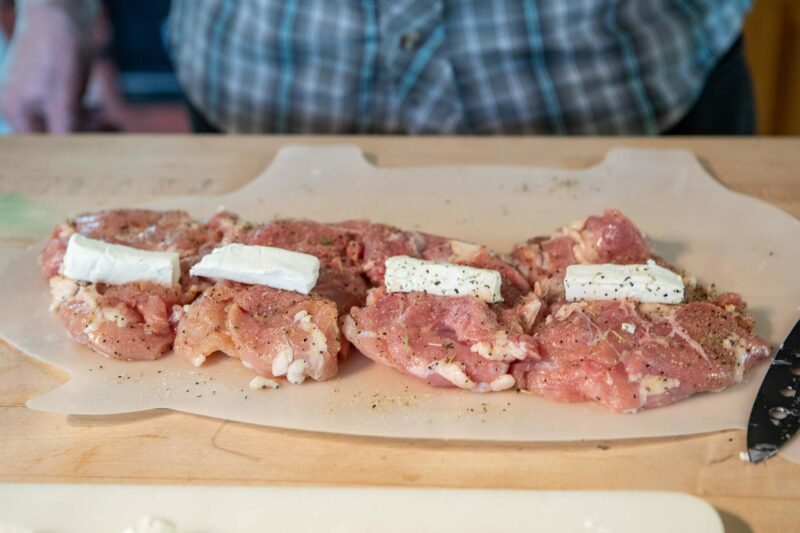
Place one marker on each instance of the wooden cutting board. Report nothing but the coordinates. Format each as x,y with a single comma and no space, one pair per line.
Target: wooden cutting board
667,193
71,173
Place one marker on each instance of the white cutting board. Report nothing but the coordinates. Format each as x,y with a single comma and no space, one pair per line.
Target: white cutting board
738,242
206,509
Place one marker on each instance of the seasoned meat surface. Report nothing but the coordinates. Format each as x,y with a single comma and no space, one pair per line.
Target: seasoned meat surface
273,332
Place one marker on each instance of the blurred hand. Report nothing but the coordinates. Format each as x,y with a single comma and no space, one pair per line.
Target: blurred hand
47,61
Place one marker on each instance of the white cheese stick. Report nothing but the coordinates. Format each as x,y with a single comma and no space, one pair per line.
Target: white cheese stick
101,262
644,283
407,274
261,265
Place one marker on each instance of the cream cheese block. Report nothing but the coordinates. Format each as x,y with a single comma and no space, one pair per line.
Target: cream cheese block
261,265
644,283
101,262
408,274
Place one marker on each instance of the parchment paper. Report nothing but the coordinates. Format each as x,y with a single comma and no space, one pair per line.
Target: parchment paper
736,241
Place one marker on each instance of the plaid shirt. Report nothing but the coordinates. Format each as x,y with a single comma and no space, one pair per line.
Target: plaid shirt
449,66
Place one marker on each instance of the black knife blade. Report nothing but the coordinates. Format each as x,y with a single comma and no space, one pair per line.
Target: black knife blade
775,416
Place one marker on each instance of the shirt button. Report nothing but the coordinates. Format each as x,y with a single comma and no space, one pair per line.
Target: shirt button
410,40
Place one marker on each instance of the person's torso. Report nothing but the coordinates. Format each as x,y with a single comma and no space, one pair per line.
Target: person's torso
450,67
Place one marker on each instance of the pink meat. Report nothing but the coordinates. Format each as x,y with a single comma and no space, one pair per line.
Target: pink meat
147,230
441,339
609,238
357,246
128,322
627,355
378,242
138,228
345,287
340,279
445,341
54,249
329,242
273,332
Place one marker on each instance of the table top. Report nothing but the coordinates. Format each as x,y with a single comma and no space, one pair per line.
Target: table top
54,175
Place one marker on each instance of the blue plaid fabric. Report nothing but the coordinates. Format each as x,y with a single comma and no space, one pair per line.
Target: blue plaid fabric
449,66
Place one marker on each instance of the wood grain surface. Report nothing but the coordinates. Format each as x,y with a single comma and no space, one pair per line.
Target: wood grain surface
61,175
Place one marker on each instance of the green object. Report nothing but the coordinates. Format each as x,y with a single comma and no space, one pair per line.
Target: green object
21,216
